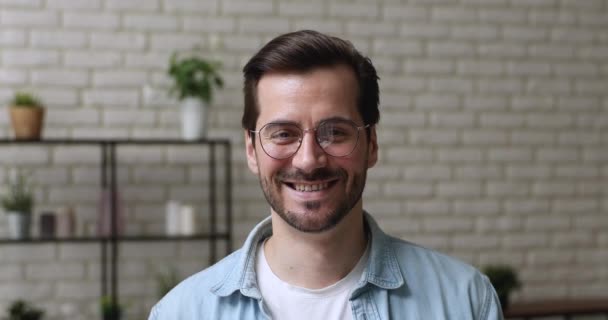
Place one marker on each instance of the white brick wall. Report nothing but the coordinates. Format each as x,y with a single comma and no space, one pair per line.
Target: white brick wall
57,39
493,135
94,21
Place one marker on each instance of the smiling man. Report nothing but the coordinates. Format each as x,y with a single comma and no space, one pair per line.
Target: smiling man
311,107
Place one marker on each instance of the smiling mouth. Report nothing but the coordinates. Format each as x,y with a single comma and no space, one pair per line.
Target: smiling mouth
310,187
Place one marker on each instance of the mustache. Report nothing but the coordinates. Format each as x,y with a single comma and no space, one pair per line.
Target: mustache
317,174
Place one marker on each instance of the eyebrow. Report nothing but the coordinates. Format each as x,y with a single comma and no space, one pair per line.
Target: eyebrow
334,118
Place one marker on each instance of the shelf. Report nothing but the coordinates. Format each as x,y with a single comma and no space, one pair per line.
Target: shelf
158,238
51,240
117,141
109,245
222,236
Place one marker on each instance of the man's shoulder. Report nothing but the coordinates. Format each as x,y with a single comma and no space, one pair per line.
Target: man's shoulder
440,275
418,260
203,281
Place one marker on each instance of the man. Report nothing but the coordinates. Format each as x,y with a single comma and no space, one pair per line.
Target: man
311,106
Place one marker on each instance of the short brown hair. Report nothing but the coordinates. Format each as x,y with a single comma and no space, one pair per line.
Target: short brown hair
305,50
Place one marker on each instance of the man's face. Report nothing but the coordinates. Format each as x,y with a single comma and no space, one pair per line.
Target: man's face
311,190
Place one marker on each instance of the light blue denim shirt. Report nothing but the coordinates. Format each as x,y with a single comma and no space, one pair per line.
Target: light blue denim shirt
401,281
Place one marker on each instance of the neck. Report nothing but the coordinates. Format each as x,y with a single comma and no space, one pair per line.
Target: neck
316,260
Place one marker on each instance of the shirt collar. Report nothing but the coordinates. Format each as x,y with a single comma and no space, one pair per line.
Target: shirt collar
382,268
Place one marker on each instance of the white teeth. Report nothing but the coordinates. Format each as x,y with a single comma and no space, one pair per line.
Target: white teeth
311,187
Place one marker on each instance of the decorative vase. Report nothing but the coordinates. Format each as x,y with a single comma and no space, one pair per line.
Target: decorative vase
27,122
193,119
48,225
104,214
19,225
66,222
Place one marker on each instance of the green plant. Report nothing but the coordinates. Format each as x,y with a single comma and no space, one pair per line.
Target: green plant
504,279
24,99
18,197
165,281
22,310
194,77
109,309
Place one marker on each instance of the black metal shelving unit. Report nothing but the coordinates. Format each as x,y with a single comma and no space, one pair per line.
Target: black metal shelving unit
109,182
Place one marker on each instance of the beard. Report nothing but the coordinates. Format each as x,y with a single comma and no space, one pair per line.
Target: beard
313,220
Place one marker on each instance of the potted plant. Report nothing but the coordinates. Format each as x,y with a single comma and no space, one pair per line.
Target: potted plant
504,279
194,80
109,309
18,202
27,116
22,310
165,281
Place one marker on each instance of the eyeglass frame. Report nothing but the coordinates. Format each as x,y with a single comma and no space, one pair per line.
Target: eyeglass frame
304,131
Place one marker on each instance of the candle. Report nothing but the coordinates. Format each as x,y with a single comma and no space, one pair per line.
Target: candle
188,220
172,218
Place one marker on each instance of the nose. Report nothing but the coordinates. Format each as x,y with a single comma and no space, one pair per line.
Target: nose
310,155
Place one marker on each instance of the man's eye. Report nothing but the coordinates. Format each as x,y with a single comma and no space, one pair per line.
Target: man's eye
337,132
283,136
334,134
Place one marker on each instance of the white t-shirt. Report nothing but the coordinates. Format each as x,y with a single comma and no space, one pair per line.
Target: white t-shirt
289,302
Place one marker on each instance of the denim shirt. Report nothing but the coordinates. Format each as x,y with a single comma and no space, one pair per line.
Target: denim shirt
401,281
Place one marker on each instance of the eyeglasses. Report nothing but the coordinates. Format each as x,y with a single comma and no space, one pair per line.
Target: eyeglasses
281,140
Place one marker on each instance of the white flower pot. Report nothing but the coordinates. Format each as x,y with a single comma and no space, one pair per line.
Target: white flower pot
19,225
193,119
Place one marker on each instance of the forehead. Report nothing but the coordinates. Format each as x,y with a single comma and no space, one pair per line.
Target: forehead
308,97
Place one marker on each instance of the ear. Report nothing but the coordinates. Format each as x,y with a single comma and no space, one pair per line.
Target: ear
252,160
372,148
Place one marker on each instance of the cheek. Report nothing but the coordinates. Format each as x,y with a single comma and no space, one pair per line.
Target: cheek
350,166
269,167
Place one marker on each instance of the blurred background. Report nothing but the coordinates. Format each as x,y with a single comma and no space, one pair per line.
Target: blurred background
493,134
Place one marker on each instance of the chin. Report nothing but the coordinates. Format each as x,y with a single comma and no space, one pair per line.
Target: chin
311,217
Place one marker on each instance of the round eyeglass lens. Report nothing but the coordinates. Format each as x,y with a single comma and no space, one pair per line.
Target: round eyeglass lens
280,140
337,138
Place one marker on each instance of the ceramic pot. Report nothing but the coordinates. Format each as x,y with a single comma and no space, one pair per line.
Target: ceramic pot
193,119
19,225
27,122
